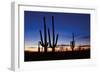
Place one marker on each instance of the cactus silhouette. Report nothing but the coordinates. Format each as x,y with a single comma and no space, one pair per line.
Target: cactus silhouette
72,43
44,44
39,46
54,43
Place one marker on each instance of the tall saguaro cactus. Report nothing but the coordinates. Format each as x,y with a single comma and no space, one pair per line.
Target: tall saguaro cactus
44,44
54,42
72,43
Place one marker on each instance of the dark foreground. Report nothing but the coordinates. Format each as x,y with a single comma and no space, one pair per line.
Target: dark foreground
36,56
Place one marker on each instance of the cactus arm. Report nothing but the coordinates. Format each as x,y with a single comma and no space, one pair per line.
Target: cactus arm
41,37
56,39
49,37
45,35
42,44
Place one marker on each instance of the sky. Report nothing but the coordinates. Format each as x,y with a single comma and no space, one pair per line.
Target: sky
65,24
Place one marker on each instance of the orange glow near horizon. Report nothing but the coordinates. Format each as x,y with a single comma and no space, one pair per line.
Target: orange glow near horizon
57,49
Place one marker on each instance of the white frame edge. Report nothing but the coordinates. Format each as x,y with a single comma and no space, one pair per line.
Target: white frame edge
14,36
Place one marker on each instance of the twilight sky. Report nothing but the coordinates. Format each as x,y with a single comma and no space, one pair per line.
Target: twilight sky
65,24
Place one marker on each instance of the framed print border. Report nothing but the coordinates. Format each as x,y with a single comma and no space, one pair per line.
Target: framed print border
17,36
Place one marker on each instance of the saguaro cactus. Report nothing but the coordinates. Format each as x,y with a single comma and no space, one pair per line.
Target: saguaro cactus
72,43
44,44
54,43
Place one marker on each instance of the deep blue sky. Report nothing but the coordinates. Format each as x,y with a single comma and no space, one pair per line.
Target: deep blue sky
65,25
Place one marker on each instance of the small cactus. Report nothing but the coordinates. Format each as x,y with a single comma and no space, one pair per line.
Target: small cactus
72,43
